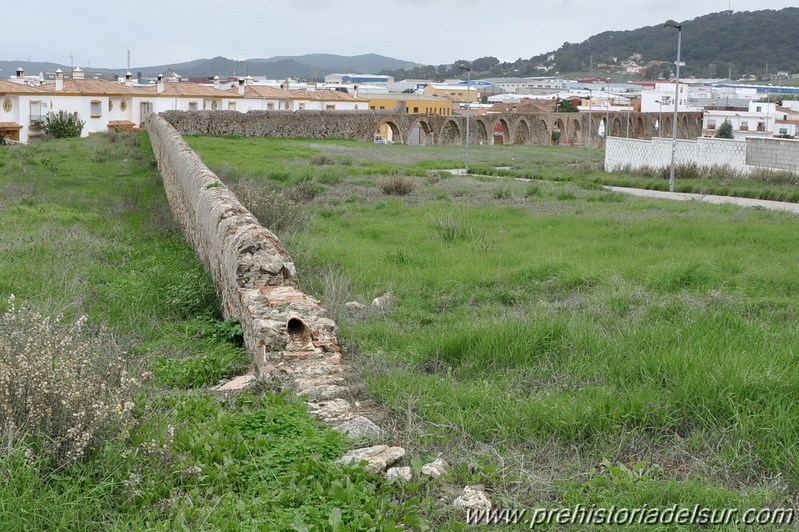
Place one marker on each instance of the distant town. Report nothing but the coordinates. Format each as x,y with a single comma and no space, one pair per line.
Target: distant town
753,110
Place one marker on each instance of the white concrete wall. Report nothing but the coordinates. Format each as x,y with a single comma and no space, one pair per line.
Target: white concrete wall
621,153
742,155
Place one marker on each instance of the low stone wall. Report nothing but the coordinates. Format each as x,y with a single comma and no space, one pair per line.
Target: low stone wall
742,155
255,278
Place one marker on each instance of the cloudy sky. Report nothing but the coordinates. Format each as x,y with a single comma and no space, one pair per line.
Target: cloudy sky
100,32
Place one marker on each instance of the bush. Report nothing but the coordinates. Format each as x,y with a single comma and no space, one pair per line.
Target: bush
397,185
62,125
63,389
322,159
725,131
276,211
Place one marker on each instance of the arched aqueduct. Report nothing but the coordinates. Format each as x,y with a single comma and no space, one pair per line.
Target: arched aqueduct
521,128
580,129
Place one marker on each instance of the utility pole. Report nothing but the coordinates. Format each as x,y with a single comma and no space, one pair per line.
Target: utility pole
468,113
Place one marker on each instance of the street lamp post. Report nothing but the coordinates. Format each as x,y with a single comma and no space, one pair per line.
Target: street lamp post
660,118
468,113
678,27
590,119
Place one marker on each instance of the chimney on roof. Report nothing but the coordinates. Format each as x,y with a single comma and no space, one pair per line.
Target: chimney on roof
20,72
129,79
59,80
78,74
159,86
216,82
355,91
241,86
249,80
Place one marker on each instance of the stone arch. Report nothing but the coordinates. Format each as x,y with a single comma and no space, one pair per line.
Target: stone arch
420,133
388,131
558,125
684,128
521,134
539,133
480,133
667,126
501,132
615,127
576,133
638,128
450,133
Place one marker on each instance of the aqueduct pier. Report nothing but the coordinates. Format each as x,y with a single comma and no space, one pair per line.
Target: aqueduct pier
579,129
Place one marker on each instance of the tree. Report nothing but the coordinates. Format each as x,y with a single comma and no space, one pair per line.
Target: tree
725,131
567,106
62,125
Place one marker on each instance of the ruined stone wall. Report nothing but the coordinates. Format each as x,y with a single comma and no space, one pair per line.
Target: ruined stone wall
254,276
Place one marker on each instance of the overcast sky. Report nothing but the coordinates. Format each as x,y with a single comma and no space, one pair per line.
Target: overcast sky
100,32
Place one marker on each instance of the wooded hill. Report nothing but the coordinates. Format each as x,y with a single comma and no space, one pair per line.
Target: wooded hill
715,45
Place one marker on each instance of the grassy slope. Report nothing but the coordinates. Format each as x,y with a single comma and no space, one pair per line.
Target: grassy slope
564,324
86,230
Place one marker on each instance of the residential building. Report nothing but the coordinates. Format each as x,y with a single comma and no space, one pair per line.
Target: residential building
759,120
414,103
456,93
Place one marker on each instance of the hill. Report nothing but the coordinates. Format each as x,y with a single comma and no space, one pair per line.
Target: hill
747,42
310,66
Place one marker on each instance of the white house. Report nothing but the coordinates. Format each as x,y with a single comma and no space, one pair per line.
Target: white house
758,121
661,98
21,109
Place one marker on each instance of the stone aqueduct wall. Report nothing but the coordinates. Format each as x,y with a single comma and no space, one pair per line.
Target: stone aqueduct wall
254,276
742,155
516,128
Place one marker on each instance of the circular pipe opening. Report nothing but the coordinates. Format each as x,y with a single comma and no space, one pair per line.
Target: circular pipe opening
299,333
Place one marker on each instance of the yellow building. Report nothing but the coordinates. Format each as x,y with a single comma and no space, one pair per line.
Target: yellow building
414,103
456,93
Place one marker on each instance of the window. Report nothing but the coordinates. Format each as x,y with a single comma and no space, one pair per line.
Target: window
192,106
214,105
7,105
36,112
302,106
96,110
110,105
330,107
270,106
415,109
759,108
382,107
123,105
356,106
372,108
744,126
761,126
711,124
231,106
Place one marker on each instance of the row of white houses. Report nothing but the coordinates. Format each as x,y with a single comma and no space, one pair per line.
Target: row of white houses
106,104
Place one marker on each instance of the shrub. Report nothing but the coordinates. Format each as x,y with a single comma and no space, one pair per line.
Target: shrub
63,389
725,131
397,185
556,137
276,211
502,192
432,177
62,125
322,159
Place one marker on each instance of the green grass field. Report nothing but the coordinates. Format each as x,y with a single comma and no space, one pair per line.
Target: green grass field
542,329
556,342
86,231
